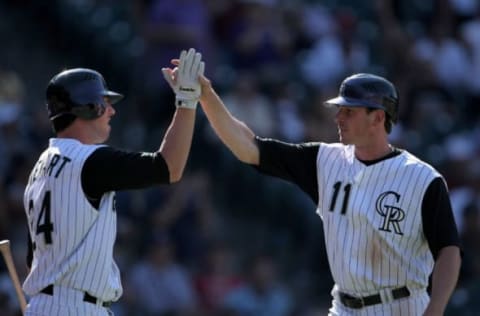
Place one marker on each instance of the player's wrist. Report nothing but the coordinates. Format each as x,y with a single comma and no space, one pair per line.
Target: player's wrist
187,96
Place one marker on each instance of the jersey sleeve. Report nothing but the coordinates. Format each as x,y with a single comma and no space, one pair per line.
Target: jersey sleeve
108,169
295,163
437,218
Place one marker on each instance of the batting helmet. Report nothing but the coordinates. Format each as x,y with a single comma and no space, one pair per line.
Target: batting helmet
80,92
367,90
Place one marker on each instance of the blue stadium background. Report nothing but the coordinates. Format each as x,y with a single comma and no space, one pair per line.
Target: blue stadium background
273,62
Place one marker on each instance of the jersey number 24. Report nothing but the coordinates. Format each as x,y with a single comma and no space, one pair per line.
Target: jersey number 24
44,224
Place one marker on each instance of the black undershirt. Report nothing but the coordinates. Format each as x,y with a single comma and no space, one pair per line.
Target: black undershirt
297,163
109,169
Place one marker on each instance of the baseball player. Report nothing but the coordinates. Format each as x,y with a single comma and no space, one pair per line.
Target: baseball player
70,196
387,217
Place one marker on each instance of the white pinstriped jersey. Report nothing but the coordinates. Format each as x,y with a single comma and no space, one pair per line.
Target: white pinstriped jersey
73,241
373,220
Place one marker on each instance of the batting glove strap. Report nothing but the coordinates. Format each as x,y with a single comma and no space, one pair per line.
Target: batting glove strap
186,104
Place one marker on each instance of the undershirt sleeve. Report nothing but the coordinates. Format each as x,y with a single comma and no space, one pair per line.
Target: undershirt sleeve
437,218
108,169
296,163
29,250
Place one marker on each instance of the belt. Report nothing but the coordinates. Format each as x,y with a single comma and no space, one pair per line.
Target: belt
86,297
359,302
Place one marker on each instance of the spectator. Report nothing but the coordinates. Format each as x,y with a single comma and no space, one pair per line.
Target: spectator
166,27
263,294
246,100
339,47
259,39
158,285
216,278
189,216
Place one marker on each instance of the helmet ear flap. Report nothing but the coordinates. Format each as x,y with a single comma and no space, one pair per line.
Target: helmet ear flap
57,101
89,111
391,108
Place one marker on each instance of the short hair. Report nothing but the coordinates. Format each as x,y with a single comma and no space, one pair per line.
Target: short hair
388,120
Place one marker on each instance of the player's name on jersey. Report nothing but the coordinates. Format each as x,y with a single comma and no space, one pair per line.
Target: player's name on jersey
52,165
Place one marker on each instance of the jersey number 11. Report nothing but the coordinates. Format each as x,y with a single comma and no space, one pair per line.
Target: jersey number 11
346,190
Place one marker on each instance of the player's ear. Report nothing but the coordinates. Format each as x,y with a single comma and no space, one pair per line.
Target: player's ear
379,117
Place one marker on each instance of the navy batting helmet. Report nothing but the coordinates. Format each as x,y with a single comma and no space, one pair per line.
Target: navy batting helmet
80,92
367,90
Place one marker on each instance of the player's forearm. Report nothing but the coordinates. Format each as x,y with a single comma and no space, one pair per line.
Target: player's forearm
444,279
236,135
177,141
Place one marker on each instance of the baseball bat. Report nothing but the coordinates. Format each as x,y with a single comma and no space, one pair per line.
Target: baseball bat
7,256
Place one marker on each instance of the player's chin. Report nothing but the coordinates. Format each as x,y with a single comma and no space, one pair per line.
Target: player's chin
342,137
345,140
104,139
106,133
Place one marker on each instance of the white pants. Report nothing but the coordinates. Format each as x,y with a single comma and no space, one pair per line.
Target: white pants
64,302
413,305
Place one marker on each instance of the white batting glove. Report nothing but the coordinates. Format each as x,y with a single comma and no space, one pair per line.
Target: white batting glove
184,79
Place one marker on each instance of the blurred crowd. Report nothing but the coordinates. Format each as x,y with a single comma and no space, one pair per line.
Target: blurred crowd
226,241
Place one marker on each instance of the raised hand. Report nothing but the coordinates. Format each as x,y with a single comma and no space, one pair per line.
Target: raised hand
184,79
